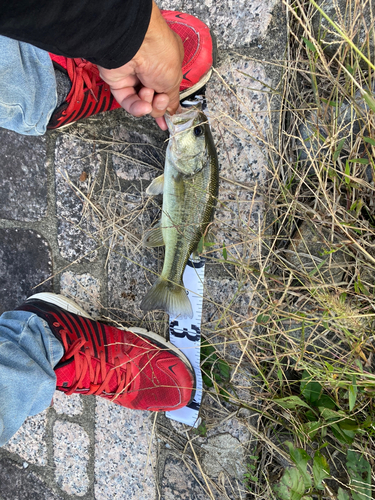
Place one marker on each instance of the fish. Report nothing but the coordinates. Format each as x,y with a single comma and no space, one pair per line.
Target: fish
190,186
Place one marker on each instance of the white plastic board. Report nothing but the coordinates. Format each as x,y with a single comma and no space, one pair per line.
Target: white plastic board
186,335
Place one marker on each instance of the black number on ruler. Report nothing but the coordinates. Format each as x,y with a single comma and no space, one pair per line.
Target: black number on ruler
184,332
194,405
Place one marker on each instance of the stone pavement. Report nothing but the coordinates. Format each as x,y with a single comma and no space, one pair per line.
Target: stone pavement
72,214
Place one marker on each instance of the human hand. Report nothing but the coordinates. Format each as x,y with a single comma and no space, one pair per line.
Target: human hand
150,82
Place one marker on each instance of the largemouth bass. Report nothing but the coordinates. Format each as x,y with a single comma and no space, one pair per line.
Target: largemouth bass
190,188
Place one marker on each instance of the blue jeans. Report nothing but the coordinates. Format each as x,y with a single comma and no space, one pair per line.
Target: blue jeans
28,349
27,87
28,353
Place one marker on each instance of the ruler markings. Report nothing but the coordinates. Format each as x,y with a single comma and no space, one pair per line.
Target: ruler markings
186,335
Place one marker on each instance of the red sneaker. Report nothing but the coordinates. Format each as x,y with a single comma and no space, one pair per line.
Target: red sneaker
89,95
136,369
199,48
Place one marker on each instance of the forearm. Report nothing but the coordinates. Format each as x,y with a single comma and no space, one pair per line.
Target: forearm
106,32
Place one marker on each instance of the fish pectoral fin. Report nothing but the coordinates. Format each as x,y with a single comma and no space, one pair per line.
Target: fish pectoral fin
153,237
156,187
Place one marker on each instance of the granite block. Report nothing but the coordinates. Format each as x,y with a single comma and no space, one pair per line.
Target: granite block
23,181
76,164
18,483
240,119
84,289
124,453
25,264
71,454
138,154
235,24
29,441
67,405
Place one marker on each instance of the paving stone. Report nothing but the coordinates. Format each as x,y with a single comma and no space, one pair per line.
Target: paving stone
76,163
18,483
124,454
71,444
84,289
25,262
138,154
237,224
240,119
235,24
29,441
128,282
67,405
184,483
224,454
23,182
223,297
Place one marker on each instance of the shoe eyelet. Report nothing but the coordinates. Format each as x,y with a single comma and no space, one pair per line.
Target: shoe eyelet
56,324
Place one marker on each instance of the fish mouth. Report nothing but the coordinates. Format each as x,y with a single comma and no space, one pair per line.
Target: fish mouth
179,122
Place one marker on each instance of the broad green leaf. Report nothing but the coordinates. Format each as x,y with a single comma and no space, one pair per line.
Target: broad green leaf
320,470
300,458
349,425
309,44
342,435
326,401
262,319
311,428
360,475
207,380
353,390
224,369
369,140
342,495
290,486
291,402
363,161
329,414
369,100
311,390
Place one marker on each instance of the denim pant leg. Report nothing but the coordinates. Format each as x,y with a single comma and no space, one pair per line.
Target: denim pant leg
27,87
28,353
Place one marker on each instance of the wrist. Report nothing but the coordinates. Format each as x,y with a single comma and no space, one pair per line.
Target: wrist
158,37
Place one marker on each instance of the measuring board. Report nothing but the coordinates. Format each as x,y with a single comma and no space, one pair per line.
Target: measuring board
186,335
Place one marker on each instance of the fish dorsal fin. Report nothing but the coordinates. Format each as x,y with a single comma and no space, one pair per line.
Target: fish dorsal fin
156,186
153,237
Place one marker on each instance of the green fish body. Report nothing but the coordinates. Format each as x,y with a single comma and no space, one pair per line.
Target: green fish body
190,188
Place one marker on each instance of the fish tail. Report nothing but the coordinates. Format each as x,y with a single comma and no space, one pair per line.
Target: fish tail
168,297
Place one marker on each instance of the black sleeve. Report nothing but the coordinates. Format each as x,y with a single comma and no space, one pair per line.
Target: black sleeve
105,32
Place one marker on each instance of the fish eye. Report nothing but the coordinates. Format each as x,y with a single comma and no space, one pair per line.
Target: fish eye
198,131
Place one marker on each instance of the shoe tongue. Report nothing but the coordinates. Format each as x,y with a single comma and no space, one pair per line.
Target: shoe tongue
60,60
65,374
66,378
